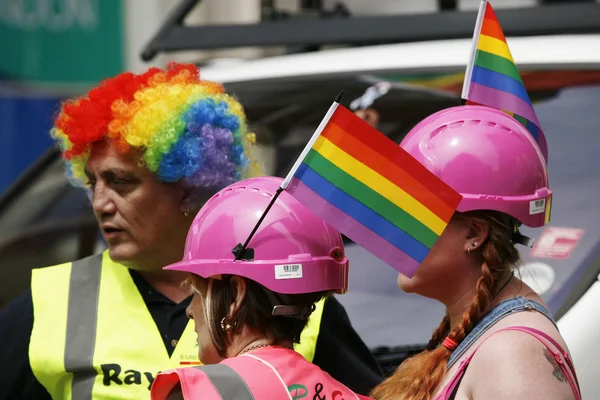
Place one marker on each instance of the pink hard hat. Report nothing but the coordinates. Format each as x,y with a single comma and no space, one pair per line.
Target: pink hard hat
294,251
488,157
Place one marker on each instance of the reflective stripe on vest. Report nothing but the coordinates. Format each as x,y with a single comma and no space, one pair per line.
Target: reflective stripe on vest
228,383
266,373
84,290
228,380
111,346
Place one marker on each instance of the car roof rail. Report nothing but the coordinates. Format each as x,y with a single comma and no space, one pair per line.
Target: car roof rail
340,28
23,182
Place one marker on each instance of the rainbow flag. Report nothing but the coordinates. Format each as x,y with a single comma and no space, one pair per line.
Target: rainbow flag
364,185
492,78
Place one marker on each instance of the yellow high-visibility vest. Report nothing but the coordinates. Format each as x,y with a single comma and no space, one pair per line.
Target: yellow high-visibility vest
94,338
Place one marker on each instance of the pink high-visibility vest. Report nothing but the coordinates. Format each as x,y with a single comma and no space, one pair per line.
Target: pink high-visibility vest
268,373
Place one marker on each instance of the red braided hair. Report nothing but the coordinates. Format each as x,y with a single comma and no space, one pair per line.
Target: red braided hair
420,377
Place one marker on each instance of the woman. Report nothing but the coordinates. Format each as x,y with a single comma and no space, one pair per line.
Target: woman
487,346
249,312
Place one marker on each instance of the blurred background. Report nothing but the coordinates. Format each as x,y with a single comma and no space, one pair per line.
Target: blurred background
286,60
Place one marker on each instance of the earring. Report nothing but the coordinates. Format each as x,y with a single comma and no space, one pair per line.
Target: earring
226,326
186,214
474,244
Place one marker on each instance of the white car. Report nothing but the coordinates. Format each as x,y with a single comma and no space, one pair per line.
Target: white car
286,97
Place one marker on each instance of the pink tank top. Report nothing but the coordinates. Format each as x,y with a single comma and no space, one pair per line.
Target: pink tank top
267,373
561,356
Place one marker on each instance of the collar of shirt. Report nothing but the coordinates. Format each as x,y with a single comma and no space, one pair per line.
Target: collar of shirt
152,296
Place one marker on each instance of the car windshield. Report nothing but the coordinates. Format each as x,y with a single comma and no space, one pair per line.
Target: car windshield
52,218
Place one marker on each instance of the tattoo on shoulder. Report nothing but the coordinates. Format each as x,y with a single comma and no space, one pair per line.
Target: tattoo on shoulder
557,371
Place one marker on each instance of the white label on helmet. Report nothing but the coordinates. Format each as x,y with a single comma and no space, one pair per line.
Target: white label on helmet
537,206
288,271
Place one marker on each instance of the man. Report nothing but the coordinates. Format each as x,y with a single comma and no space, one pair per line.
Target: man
150,148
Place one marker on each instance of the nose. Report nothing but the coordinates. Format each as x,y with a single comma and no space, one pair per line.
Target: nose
188,311
101,200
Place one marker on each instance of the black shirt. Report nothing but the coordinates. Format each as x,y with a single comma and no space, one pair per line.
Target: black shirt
340,351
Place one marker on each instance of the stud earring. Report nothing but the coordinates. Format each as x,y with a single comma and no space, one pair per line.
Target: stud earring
474,244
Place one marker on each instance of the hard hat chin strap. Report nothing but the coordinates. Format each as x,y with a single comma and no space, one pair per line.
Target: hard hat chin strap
300,312
519,238
288,311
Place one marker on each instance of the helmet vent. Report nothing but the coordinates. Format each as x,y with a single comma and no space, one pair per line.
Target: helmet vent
439,130
457,124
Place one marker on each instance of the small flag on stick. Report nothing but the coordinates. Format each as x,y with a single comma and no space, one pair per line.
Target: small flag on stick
492,78
365,186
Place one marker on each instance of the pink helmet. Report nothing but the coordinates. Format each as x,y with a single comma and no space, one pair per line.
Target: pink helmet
488,157
294,251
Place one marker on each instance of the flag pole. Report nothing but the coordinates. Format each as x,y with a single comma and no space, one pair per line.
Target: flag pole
241,251
312,140
474,44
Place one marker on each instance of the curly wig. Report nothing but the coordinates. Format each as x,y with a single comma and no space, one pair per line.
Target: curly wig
185,128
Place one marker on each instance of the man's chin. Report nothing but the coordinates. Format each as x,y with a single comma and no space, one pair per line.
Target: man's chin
122,253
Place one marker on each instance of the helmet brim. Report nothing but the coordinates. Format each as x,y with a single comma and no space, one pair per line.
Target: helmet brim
317,274
532,211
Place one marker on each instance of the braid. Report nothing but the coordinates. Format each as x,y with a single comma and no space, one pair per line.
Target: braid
419,377
440,333
478,304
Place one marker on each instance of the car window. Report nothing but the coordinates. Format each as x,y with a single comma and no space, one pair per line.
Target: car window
49,222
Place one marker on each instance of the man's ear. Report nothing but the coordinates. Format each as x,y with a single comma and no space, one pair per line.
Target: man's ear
184,198
192,200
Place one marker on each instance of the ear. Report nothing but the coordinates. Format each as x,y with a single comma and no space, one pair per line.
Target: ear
184,197
478,234
239,286
192,199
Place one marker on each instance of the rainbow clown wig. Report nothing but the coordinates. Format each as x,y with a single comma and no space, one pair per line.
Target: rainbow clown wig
184,128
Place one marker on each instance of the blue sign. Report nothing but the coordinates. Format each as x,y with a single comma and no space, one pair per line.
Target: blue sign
25,124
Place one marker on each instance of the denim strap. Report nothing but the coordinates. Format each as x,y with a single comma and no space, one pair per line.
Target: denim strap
507,307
